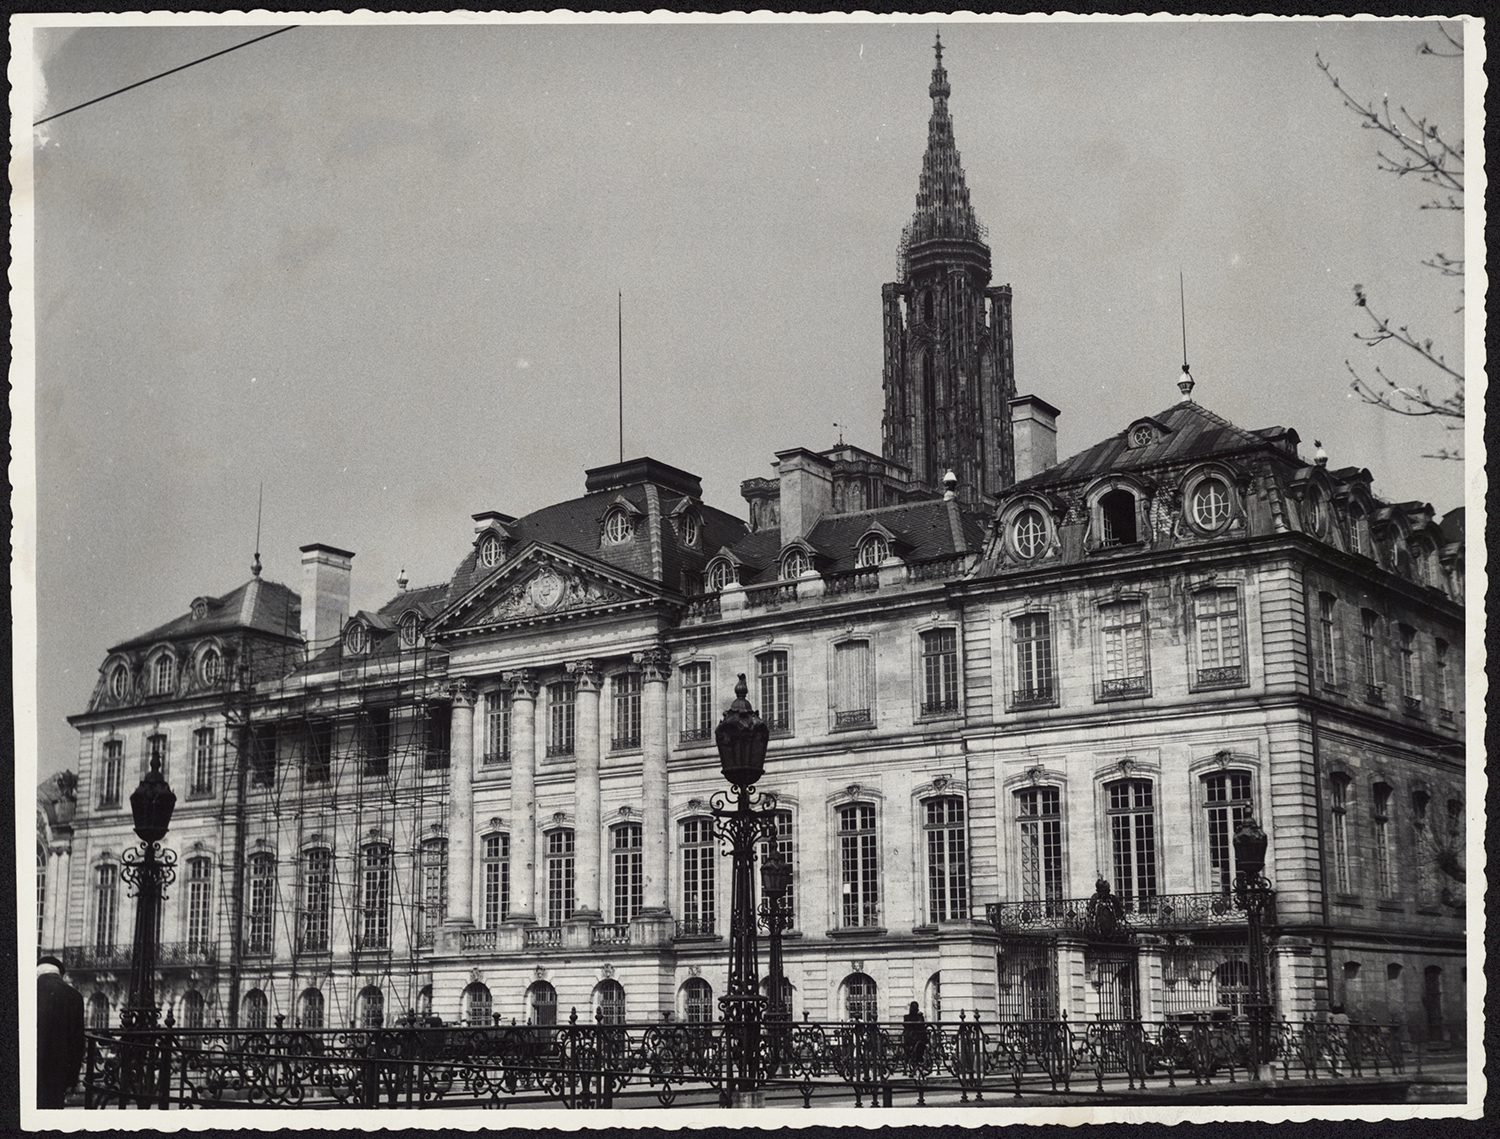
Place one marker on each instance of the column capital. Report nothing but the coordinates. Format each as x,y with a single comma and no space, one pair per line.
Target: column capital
585,674
522,684
654,664
462,692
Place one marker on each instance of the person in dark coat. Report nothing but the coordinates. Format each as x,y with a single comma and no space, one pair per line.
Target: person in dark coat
59,1033
914,1035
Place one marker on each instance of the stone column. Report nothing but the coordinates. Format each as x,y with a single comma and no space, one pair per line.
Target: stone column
523,692
460,900
586,750
654,673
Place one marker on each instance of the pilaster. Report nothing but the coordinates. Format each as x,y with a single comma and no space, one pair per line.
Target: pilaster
586,750
460,899
523,693
655,670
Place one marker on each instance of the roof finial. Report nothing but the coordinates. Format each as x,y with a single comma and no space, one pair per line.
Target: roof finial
1320,456
255,565
1184,385
939,88
402,580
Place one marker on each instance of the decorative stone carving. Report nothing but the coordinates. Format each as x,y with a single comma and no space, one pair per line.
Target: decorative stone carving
476,976
522,683
626,811
551,589
654,664
1034,774
606,970
1126,765
695,970
540,972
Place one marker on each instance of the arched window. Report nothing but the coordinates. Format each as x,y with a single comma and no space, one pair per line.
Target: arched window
371,1007
411,625
119,681
720,574
1029,533
98,1011
541,1003
192,1009
947,859
354,638
208,667
255,1009
860,1001
697,1001
690,529
794,564
872,551
310,1009
933,997
478,1006
609,1000
1117,518
424,1003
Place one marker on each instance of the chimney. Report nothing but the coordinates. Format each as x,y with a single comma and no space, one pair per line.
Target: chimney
325,592
806,491
1033,430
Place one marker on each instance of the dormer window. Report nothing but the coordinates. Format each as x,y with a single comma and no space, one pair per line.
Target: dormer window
208,666
690,529
200,609
1029,533
411,625
1117,515
490,552
873,550
720,574
1317,510
356,639
162,675
119,681
617,526
795,564
1210,504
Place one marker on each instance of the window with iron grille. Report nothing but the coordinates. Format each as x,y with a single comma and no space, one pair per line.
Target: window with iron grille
939,672
861,1000
495,863
111,773
611,1001
260,918
318,769
311,1013
1028,983
560,896
1328,638
561,708
1035,678
371,1007
699,859
851,684
256,1009
200,887
317,898
497,727
1338,806
478,1005
625,854
1039,829
1132,830
106,905
947,859
625,691
434,889
1226,796
697,701
775,690
203,762
1385,876
860,899
375,897
1122,629
785,847
1220,637
697,1001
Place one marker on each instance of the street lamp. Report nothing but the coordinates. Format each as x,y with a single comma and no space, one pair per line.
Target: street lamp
149,870
742,738
775,878
1253,894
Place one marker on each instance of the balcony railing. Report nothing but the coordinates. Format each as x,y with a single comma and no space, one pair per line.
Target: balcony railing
705,607
703,733
940,707
775,593
626,742
1083,915
1221,677
543,936
186,953
96,957
472,940
938,569
1042,696
616,933
854,717
1120,687
696,927
496,758
1413,705
1375,695
854,581
257,946
559,749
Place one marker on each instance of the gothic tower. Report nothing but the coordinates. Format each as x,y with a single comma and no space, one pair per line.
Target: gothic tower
948,376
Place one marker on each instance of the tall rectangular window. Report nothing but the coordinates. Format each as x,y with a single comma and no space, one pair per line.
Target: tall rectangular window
939,672
260,916
200,886
859,871
1411,691
111,771
496,879
1370,655
560,896
699,859
1226,797
203,763
375,897
785,847
165,667
561,719
439,732
1216,619
1039,827
1423,848
851,684
434,889
1339,811
317,899
775,690
625,695
263,755
947,859
106,906
1132,834
1444,681
1328,638
156,754
1122,627
318,767
1035,676
377,739
1385,876
697,701
497,727
625,854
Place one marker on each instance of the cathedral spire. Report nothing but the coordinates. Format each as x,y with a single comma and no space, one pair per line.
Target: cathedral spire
943,209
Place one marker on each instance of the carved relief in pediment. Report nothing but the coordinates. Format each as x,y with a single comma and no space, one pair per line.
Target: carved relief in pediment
552,589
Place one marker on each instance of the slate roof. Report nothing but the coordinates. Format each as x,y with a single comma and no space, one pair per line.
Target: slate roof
257,606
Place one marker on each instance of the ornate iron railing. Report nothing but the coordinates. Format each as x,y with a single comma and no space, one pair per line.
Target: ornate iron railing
581,1065
1120,687
851,718
170,953
1042,696
1213,677
1128,915
703,732
97,957
696,927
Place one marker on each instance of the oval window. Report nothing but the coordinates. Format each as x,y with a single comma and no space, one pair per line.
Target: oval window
616,526
354,638
872,551
410,623
1211,504
689,529
719,575
1030,533
119,681
489,551
794,564
208,667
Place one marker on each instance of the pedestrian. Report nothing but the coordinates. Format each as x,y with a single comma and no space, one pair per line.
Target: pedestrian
59,1033
914,1034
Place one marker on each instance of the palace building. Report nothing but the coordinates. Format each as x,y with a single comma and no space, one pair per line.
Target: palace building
1017,708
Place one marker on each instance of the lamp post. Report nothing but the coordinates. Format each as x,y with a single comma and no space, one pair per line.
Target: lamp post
775,878
1253,894
149,870
742,738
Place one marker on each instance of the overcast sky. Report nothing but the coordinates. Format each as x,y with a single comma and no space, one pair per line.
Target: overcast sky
375,268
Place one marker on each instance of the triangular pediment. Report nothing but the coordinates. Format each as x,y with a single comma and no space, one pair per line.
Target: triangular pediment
543,583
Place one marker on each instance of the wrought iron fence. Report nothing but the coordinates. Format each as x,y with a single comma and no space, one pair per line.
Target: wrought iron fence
1134,914
583,1065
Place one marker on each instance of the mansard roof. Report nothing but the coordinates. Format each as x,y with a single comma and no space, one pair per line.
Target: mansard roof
257,606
